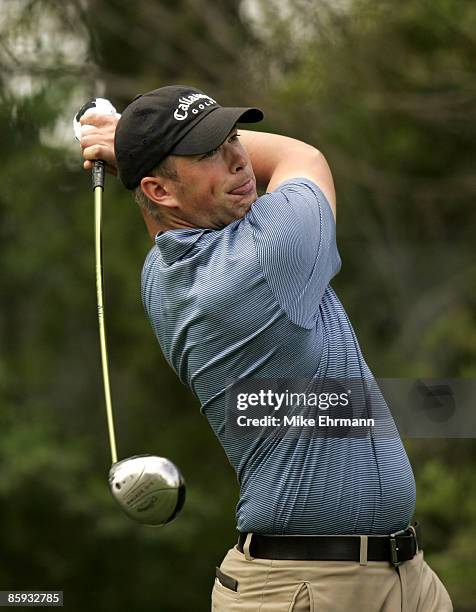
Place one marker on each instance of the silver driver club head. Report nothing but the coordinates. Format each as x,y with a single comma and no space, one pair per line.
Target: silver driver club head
149,489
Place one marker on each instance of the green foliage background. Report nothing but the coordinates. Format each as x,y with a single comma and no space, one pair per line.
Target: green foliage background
389,97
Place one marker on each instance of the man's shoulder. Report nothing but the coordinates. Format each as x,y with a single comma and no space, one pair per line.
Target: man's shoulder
297,206
150,258
305,188
149,270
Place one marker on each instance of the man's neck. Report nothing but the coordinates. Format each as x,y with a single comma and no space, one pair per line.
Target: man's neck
154,226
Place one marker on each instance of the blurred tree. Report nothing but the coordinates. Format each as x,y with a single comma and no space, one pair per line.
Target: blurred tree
171,41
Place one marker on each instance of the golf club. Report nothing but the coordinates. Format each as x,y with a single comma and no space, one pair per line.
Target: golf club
149,489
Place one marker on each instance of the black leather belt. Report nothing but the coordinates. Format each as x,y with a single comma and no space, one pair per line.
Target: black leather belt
395,548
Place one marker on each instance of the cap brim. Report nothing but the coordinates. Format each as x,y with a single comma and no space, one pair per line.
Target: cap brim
212,130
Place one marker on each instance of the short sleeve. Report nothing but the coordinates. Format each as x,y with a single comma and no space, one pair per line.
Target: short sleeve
294,232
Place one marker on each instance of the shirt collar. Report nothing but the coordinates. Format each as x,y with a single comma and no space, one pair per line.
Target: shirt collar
174,244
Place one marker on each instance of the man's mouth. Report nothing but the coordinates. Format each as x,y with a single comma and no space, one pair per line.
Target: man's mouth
244,188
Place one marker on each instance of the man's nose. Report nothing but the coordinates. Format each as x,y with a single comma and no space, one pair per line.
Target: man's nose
237,159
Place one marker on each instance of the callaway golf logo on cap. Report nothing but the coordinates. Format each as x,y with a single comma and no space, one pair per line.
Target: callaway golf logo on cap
181,112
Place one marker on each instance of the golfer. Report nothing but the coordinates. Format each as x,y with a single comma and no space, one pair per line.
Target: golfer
236,288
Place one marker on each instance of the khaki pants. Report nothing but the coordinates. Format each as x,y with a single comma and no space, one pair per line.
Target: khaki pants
266,585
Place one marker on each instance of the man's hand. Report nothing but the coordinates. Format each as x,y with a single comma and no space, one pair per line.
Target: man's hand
97,139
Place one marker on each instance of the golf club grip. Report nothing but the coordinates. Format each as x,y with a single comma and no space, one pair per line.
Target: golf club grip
98,174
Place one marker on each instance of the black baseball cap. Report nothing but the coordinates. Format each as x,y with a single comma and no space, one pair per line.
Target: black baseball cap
176,119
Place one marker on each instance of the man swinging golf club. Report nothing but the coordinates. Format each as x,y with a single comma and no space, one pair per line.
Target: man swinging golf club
236,287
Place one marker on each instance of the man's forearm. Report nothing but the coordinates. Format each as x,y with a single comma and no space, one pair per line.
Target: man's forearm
276,158
269,151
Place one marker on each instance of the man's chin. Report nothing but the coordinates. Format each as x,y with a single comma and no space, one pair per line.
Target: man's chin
239,208
248,200
245,207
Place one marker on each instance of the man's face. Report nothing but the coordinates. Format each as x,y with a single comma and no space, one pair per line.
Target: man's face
215,188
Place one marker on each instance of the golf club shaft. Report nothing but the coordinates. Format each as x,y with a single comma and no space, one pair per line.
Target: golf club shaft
98,189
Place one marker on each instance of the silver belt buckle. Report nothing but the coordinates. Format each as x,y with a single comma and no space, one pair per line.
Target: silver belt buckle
394,547
415,538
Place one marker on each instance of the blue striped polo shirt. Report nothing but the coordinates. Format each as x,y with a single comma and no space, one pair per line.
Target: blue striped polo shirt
253,300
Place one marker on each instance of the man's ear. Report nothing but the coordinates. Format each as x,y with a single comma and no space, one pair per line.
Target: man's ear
155,188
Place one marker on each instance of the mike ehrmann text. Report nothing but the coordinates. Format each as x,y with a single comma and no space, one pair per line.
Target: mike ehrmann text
299,421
